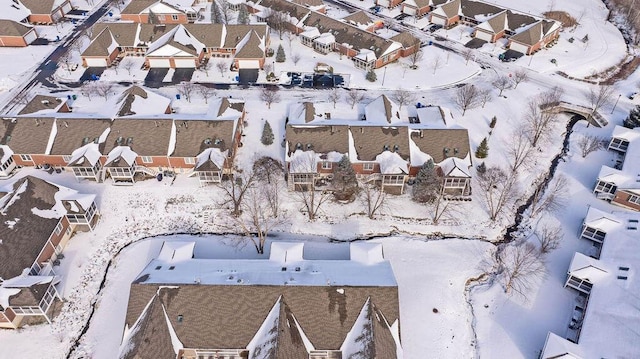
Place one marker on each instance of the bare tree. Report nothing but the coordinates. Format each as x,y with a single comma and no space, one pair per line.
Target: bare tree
519,149
467,97
549,198
501,82
539,116
549,238
312,200
290,36
334,96
255,221
88,89
295,58
277,21
128,64
235,189
270,179
206,92
485,96
403,97
269,94
186,89
66,61
372,198
440,207
417,55
222,66
225,11
467,54
103,89
521,265
436,64
590,143
497,188
599,97
354,96
521,75
78,44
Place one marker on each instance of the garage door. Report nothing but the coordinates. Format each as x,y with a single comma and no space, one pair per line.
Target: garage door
438,20
483,35
66,8
248,64
96,62
181,63
384,3
30,37
409,10
519,47
159,63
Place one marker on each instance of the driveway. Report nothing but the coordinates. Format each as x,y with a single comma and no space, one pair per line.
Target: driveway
155,76
91,73
247,76
182,75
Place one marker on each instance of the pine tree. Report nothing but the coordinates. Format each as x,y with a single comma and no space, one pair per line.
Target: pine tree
153,18
427,185
280,56
267,134
482,168
483,150
633,120
216,13
371,76
344,179
493,122
243,15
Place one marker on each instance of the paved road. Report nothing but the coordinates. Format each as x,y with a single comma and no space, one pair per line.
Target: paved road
44,72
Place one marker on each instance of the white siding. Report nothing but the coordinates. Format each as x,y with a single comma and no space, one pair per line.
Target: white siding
159,63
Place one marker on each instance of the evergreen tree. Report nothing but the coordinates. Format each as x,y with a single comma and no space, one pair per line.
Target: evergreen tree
482,168
483,150
344,179
427,185
633,120
243,15
267,134
216,13
493,122
280,56
153,18
371,76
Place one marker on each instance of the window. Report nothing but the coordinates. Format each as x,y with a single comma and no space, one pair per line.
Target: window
26,158
367,166
174,17
66,158
634,199
619,144
593,234
605,187
190,160
146,159
58,229
326,165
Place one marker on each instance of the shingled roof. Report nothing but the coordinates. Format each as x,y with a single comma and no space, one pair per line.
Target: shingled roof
359,18
42,103
149,137
218,316
323,139
370,141
23,232
73,133
27,135
194,136
13,28
41,6
150,337
434,142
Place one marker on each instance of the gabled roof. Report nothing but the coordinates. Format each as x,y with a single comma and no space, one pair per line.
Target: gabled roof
42,6
301,112
23,232
102,44
147,137
252,47
454,167
43,104
195,136
173,42
323,139
450,9
370,141
27,135
382,110
137,101
358,18
13,28
435,142
121,156
144,6
14,10
73,133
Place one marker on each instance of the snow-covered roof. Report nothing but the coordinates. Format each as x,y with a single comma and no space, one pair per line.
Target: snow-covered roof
612,309
90,152
325,39
297,271
391,163
286,251
366,55
211,155
311,32
382,111
6,153
366,252
14,10
123,152
303,162
587,268
454,167
602,220
626,177
176,251
557,347
169,44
